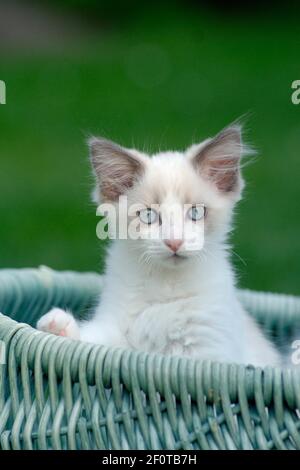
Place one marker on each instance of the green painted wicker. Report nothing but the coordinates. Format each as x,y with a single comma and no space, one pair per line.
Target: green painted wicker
56,393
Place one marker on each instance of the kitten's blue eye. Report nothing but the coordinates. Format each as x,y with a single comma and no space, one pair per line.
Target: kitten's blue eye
196,213
148,216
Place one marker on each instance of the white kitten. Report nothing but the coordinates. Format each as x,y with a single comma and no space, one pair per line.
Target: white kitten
164,294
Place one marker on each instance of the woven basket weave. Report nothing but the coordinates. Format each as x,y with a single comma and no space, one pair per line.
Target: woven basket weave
56,393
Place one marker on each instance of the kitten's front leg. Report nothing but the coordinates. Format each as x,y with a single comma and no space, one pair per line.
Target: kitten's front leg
60,323
104,331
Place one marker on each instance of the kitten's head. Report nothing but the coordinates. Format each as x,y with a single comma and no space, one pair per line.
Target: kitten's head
181,202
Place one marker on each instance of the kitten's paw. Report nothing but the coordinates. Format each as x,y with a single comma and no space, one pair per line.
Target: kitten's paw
59,323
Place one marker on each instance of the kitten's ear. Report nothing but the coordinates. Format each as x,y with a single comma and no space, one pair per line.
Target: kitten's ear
116,168
218,160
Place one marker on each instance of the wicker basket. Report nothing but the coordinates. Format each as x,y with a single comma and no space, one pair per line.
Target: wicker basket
56,393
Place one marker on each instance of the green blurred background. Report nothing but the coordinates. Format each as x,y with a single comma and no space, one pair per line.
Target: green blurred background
157,76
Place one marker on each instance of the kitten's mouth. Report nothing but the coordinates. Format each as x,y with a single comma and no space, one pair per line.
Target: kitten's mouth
177,257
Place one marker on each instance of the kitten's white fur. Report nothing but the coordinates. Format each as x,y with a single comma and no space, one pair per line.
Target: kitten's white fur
156,302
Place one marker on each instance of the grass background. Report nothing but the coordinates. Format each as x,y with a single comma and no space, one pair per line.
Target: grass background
157,79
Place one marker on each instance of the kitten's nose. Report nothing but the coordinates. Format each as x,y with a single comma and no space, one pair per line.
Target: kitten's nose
174,245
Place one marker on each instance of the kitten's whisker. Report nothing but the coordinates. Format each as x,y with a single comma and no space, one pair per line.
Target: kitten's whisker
238,256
